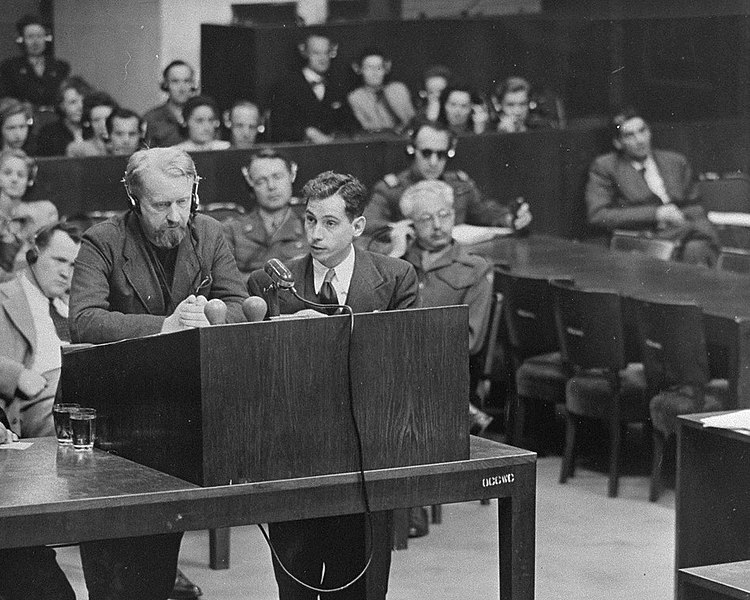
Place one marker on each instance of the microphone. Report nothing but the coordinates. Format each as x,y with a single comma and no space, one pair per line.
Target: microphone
278,272
254,308
216,311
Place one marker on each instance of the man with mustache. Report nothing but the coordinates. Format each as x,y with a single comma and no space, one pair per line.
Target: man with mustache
151,270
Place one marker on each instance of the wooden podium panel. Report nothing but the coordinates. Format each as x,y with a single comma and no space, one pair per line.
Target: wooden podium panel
270,400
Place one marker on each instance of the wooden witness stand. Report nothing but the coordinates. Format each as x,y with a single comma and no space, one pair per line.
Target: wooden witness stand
264,408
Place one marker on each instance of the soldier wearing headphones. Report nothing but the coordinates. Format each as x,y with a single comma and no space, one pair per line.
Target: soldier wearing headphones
36,75
271,229
165,125
432,144
151,270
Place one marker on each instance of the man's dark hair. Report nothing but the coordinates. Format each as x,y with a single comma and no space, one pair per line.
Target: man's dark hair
437,71
627,113
440,126
269,153
122,113
511,85
348,187
196,102
44,235
370,51
176,63
27,20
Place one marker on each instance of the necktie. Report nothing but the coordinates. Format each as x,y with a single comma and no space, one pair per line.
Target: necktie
60,323
327,293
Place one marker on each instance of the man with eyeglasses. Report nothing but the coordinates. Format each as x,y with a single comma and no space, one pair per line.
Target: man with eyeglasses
272,229
149,271
432,144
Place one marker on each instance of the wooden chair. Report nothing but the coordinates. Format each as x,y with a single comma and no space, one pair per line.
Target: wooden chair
626,241
673,348
604,387
734,260
540,375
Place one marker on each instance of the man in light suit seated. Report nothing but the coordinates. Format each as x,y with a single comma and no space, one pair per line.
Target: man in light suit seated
33,319
649,191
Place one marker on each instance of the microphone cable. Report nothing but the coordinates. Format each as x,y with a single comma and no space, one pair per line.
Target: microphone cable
360,456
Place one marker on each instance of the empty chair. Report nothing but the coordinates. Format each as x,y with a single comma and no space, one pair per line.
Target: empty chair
624,241
603,387
540,375
221,211
673,348
728,194
734,260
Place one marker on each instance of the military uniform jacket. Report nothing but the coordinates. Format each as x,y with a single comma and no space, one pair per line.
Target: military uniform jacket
252,245
19,80
457,277
162,127
468,202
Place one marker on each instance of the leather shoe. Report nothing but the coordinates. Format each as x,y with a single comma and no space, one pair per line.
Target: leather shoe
184,589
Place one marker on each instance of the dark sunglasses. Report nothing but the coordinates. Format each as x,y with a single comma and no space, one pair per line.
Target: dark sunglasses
428,153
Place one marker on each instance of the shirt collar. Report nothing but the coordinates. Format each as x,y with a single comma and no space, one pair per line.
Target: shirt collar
313,76
344,271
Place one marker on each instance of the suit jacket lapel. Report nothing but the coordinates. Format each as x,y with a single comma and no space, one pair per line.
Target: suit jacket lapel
17,308
364,294
138,270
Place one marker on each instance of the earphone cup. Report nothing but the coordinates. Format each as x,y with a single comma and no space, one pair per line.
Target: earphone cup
163,86
19,40
32,255
48,38
410,150
452,152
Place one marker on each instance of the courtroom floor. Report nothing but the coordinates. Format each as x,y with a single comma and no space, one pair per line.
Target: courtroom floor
589,547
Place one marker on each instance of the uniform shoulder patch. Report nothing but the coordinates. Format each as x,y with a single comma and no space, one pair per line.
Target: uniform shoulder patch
391,180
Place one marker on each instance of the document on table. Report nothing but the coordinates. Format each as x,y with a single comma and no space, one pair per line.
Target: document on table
737,420
16,446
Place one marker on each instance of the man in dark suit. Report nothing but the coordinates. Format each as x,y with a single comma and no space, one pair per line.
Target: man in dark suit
649,191
334,272
150,271
307,104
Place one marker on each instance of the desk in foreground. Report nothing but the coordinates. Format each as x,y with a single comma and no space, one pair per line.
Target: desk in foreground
53,495
713,495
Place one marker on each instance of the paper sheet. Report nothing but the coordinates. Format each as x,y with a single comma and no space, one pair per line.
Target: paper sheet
738,219
739,419
16,446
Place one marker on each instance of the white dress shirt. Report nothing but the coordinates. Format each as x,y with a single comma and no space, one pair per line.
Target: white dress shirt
341,280
47,353
317,82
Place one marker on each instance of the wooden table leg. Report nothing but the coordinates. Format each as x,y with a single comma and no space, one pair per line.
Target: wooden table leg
401,529
516,529
218,543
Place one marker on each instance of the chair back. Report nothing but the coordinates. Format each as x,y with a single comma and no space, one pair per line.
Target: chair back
529,314
734,260
726,194
485,358
673,344
222,211
589,327
627,242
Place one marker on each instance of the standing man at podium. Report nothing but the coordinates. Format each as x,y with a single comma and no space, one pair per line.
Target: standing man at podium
330,552
150,271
